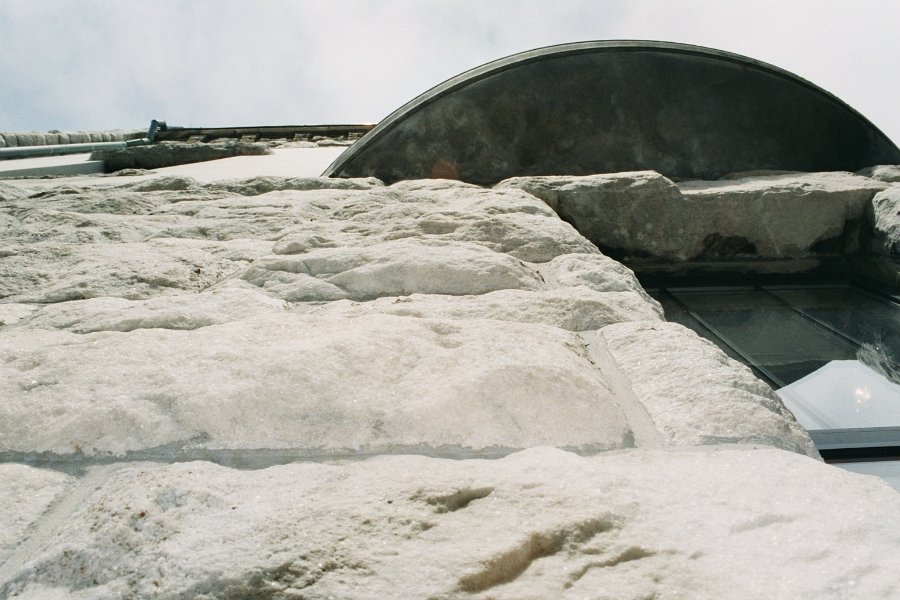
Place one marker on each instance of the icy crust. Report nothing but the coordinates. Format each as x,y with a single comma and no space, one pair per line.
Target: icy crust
695,394
321,384
715,523
25,494
643,213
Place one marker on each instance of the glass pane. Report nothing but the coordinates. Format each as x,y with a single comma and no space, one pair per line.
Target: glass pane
781,342
872,322
676,313
832,350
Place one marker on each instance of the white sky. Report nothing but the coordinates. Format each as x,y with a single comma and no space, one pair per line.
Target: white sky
102,64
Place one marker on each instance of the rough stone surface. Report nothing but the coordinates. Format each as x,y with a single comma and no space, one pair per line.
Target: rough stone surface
294,322
782,215
643,214
577,308
167,154
25,493
13,313
681,378
321,384
889,173
182,297
255,186
53,272
164,312
620,211
885,222
714,523
394,268
504,221
9,193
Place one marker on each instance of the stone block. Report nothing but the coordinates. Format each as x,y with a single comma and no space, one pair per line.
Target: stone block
726,523
884,220
646,215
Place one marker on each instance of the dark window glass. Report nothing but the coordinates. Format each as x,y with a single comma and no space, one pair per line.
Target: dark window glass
770,334
831,352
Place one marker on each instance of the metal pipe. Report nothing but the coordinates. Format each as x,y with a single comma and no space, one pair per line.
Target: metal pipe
60,149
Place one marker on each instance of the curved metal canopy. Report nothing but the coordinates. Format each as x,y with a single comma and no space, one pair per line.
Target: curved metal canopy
600,107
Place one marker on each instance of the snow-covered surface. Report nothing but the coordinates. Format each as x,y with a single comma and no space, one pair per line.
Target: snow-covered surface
70,164
283,162
559,439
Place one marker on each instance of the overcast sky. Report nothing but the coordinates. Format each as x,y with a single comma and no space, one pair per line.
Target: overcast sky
103,64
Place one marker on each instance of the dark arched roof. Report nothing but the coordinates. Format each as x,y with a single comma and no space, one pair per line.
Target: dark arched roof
600,107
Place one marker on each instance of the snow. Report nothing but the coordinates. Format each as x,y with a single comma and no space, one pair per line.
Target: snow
283,162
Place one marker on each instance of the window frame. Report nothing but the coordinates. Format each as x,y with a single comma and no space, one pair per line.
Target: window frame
834,445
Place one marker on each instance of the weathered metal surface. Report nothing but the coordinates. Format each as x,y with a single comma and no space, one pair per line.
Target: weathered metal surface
599,107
